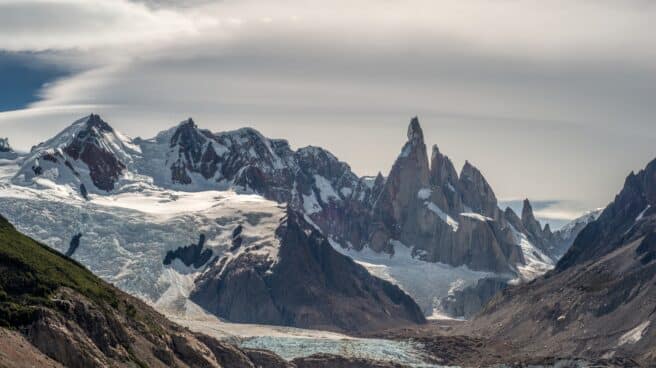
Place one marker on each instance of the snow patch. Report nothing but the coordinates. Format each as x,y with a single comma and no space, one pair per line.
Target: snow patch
442,215
634,335
642,214
424,193
476,216
310,204
426,282
326,190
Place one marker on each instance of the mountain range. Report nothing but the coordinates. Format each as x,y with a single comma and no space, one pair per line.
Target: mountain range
422,206
243,227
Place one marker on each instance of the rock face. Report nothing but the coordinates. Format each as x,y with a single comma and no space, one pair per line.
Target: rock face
303,282
599,301
73,318
469,301
73,245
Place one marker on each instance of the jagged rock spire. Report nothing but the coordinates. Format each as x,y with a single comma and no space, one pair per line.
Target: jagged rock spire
398,199
476,191
442,171
414,131
528,219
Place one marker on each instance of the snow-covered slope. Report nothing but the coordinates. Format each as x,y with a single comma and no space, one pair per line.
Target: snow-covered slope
571,229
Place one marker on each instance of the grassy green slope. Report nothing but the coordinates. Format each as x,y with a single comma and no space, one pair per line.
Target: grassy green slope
30,272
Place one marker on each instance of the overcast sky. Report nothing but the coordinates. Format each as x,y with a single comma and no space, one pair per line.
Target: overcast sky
552,100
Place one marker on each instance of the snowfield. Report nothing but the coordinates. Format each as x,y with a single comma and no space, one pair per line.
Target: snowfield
426,282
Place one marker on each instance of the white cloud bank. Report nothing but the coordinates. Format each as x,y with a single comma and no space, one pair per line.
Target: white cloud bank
550,98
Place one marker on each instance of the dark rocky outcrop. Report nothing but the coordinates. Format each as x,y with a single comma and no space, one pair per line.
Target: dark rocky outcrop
4,145
73,245
191,255
89,151
6,151
599,301
104,167
308,284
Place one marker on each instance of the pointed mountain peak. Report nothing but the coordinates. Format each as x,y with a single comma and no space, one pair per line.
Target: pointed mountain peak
527,209
189,123
95,121
380,179
414,130
436,152
469,171
476,191
442,170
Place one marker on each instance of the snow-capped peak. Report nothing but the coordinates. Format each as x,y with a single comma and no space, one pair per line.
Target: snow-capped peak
87,155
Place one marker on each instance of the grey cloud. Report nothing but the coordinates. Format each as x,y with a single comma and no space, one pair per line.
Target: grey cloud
543,115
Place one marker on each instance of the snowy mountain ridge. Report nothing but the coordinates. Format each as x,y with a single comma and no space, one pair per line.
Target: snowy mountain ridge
134,200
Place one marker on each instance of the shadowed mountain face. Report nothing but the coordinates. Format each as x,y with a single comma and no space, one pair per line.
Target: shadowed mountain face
601,298
307,285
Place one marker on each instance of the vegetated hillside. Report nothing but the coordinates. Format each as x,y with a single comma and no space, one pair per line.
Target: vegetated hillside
76,319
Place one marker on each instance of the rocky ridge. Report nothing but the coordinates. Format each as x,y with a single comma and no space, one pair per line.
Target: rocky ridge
599,301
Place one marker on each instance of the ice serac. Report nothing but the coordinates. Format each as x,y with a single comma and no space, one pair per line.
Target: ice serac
307,284
397,203
599,301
